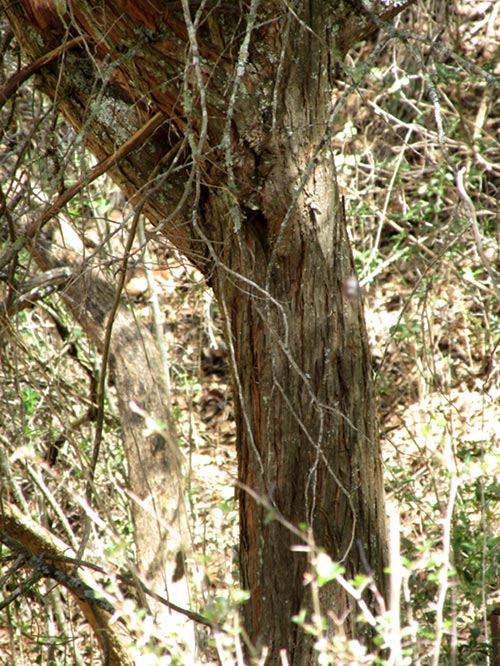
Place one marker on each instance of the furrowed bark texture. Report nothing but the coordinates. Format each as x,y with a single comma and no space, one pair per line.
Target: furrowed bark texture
241,179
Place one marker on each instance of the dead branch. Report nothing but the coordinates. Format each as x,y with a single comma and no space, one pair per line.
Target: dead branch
42,552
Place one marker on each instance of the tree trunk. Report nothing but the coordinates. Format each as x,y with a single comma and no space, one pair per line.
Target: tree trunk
241,179
161,527
307,437
306,423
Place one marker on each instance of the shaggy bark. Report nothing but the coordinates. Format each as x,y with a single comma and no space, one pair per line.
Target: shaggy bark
244,185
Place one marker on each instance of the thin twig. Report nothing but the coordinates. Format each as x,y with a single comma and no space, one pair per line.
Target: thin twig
472,217
104,365
130,145
17,79
445,568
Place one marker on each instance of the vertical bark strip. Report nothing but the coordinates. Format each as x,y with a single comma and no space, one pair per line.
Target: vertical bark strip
307,432
245,186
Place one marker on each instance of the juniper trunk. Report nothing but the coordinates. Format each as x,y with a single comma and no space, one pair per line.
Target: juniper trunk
231,105
307,441
307,437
